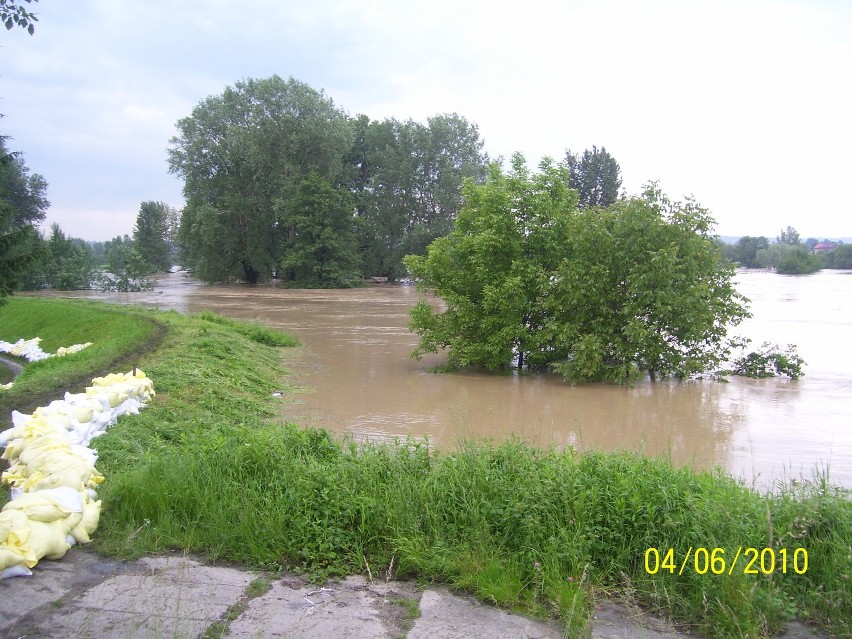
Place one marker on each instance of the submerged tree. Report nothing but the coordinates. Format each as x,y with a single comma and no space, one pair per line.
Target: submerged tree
530,279
319,250
126,268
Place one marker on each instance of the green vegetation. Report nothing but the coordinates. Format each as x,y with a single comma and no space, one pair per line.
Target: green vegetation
118,335
280,182
22,206
770,360
206,468
840,258
595,176
61,263
14,14
529,279
154,235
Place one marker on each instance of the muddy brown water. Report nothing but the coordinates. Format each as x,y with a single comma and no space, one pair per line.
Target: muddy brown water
358,379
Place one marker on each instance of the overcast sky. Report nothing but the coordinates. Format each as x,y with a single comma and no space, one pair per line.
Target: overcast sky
747,105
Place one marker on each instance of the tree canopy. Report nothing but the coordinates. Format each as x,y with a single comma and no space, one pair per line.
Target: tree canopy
408,184
153,234
250,156
22,205
531,279
243,155
595,176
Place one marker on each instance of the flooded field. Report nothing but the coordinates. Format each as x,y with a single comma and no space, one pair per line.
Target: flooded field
360,380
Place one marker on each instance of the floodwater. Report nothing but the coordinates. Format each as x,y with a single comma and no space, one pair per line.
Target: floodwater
358,379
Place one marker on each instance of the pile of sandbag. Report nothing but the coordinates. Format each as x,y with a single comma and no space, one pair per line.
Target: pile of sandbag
52,470
30,350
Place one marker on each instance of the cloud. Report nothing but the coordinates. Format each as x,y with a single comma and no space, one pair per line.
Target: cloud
742,103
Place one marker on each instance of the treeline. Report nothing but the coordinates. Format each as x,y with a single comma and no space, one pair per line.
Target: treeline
281,183
788,254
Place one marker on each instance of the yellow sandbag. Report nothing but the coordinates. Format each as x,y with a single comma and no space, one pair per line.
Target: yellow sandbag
38,507
15,476
37,450
53,415
46,540
85,411
88,523
40,481
57,460
9,557
14,525
15,531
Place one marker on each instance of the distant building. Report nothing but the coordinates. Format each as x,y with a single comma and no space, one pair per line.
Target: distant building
825,247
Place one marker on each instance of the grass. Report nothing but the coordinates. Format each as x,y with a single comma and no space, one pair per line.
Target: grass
118,335
207,468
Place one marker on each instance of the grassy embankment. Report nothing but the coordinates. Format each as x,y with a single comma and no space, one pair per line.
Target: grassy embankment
206,468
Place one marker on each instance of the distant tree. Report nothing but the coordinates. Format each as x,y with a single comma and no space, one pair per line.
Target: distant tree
152,234
789,236
798,261
595,176
22,205
407,181
12,13
528,279
321,250
62,264
746,249
243,155
126,269
17,250
840,258
25,193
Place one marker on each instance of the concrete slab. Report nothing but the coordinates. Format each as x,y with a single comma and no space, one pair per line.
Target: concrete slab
351,609
88,596
172,597
614,620
448,616
52,584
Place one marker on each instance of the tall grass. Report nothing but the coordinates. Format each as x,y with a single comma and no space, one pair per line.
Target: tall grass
206,468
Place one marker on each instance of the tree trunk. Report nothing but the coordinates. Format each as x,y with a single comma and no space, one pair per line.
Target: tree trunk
251,275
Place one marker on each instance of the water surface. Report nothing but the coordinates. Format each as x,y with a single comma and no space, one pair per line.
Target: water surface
360,380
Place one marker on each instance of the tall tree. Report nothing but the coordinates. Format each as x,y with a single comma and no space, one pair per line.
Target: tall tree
243,155
320,250
530,279
151,235
22,205
409,184
63,263
595,176
126,269
24,192
789,236
746,250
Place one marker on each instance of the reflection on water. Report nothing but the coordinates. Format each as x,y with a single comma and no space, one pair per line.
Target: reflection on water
360,380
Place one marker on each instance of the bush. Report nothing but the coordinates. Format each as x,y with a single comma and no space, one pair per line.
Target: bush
769,361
